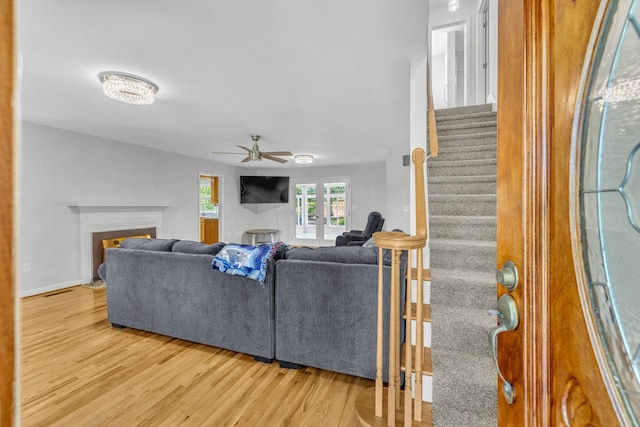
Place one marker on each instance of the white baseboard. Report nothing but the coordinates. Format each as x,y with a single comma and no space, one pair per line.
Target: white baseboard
45,289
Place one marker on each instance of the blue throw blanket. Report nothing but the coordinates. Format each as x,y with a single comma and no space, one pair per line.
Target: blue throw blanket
246,260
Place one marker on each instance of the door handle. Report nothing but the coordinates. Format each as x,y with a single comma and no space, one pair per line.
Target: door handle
507,313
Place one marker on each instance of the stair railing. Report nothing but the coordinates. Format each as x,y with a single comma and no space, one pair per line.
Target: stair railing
397,242
431,117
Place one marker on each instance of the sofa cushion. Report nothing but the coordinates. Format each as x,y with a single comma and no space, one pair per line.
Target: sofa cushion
343,254
191,247
163,245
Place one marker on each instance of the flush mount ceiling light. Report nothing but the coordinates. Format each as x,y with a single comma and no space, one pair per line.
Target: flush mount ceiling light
129,89
303,158
453,5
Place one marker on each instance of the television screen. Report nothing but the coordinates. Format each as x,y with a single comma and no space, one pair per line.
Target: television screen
264,189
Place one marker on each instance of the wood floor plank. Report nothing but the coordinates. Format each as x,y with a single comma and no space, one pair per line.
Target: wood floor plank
77,370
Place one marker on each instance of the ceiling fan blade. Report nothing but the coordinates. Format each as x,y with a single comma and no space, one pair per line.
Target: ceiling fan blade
275,159
277,153
224,152
246,159
244,148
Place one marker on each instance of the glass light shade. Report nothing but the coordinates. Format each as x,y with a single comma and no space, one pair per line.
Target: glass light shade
454,5
128,89
303,158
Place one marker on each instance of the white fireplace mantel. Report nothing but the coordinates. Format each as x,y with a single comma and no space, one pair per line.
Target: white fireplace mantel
84,207
99,217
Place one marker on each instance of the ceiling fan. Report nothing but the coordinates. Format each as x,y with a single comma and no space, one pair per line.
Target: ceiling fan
254,153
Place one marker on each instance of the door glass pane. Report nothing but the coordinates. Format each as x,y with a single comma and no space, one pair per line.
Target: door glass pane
334,209
610,199
306,213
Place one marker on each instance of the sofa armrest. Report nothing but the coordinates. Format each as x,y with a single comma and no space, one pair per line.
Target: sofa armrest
354,237
345,238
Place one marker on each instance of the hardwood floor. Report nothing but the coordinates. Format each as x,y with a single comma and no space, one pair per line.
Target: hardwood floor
79,371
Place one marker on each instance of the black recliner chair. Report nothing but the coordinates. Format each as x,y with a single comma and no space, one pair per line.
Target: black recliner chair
358,237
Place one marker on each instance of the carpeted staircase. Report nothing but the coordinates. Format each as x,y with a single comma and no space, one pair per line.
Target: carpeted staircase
462,226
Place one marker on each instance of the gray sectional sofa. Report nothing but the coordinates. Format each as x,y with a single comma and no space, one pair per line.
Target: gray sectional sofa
326,308
317,307
170,290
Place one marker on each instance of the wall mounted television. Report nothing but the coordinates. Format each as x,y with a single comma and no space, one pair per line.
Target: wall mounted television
264,189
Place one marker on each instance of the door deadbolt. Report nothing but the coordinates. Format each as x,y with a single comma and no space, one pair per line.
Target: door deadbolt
507,276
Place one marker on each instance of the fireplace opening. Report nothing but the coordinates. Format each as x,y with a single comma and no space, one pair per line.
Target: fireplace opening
96,243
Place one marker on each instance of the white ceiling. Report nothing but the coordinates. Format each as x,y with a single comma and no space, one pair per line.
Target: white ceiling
329,78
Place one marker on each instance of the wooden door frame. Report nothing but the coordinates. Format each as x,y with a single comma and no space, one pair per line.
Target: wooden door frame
219,177
553,367
521,138
8,409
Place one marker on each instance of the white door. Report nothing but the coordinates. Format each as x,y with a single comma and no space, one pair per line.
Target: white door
452,74
322,210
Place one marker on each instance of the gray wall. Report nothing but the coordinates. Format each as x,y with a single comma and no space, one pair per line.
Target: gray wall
398,188
58,167
368,193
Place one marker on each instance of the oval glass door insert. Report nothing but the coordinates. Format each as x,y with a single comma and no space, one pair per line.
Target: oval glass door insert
608,157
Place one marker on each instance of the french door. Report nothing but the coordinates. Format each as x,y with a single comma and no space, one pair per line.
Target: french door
322,210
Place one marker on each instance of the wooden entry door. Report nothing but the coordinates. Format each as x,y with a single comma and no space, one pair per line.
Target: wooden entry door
549,358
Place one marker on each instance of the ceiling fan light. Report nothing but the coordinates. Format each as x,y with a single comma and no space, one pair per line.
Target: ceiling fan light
131,90
303,158
454,5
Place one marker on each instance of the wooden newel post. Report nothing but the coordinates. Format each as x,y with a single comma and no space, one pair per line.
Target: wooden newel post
397,242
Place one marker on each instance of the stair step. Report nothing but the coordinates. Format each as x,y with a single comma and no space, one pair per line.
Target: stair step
427,369
463,204
470,109
480,136
462,278
466,128
426,312
473,148
462,167
473,152
413,274
474,255
477,323
483,184
476,285
462,179
457,227
487,116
